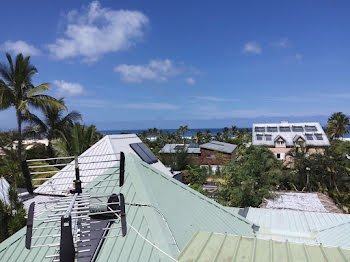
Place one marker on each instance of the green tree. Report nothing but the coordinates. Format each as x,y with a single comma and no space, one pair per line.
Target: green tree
249,179
18,91
234,130
207,136
225,133
12,216
55,123
198,137
337,125
182,130
76,140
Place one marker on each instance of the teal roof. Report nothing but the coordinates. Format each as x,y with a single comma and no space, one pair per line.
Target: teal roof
223,247
330,229
174,213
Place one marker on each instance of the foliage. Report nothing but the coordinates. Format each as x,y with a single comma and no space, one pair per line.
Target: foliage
76,140
12,217
17,90
250,178
195,175
181,161
198,188
337,125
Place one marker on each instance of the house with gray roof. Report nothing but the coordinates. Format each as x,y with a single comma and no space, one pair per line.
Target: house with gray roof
214,153
281,137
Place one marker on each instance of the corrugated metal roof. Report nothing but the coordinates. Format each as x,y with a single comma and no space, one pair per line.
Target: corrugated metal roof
110,144
208,247
39,209
331,229
173,148
289,136
336,235
219,146
4,190
174,214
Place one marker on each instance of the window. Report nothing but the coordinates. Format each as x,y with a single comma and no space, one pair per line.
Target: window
278,155
284,129
298,129
210,156
259,137
272,129
259,129
280,143
309,137
319,136
310,128
268,137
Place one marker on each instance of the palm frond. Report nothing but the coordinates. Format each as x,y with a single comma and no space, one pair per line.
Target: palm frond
6,96
38,89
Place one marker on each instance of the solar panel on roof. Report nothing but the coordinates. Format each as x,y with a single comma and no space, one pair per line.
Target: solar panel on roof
144,153
148,152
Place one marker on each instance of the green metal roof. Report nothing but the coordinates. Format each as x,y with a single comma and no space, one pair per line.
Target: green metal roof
174,213
330,229
213,247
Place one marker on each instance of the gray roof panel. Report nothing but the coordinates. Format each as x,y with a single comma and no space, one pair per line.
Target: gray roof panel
219,146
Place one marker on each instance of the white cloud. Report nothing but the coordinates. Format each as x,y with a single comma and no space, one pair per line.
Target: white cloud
214,99
157,70
95,31
282,43
68,89
190,80
20,47
252,47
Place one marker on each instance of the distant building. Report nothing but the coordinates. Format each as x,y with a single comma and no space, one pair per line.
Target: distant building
280,138
214,153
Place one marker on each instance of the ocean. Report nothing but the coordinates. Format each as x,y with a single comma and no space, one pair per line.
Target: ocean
192,132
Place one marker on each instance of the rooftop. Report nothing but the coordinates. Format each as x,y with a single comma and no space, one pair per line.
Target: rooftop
173,148
225,247
329,229
219,146
312,133
163,210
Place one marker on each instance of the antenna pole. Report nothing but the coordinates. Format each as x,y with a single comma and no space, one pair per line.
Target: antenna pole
27,176
77,181
121,169
67,249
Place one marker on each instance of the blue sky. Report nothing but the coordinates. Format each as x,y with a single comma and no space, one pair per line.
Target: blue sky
138,64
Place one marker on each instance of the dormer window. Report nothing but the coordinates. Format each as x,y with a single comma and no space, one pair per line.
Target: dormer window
259,129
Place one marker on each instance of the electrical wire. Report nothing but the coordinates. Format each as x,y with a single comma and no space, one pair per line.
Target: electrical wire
144,238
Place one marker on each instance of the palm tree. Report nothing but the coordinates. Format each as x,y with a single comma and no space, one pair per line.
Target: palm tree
337,125
17,90
76,140
234,130
225,133
198,137
54,123
207,136
182,130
